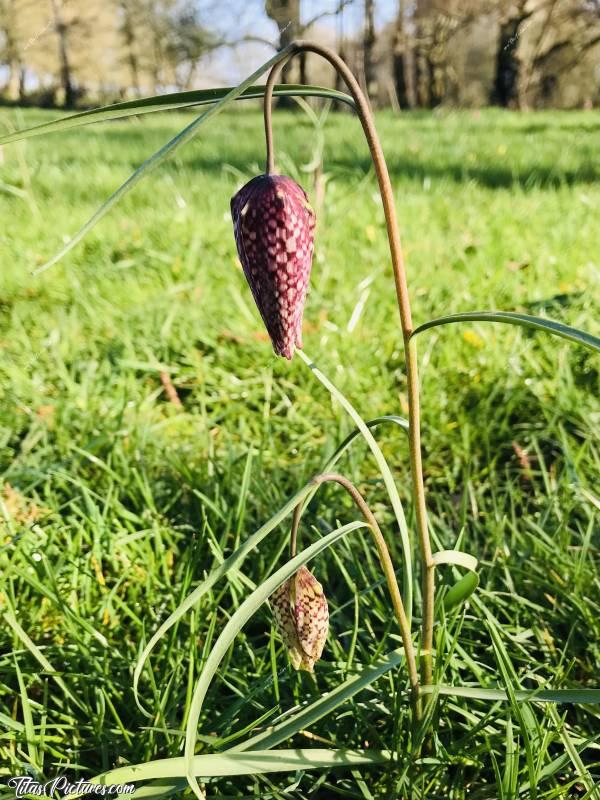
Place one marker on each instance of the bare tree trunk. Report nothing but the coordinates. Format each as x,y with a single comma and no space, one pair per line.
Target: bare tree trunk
66,75
22,76
423,68
368,46
13,85
438,60
341,48
286,14
401,60
128,30
505,91
12,53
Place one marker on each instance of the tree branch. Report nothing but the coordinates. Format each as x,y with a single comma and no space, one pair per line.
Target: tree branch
340,7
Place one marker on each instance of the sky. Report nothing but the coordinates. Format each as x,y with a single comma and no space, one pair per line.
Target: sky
235,19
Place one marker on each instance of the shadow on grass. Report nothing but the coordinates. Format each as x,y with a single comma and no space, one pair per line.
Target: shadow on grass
435,162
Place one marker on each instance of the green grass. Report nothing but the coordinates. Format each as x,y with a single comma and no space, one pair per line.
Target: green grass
115,503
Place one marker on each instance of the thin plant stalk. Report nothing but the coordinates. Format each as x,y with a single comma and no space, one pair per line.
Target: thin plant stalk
412,375
388,570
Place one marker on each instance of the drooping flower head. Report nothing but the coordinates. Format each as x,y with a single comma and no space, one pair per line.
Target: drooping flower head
274,227
302,618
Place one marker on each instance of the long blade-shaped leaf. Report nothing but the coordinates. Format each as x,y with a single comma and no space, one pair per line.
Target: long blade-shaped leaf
233,627
255,763
167,102
578,696
324,706
456,558
40,657
166,150
386,474
524,320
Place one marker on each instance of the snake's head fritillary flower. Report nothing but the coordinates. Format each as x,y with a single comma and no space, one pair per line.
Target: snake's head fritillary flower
302,618
274,228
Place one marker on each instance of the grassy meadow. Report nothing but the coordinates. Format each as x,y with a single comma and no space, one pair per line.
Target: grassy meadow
115,501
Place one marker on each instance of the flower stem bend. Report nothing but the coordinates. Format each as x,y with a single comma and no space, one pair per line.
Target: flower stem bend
388,570
412,375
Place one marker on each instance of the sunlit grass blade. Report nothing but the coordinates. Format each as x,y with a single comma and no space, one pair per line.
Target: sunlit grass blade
558,764
578,696
586,778
35,651
250,605
520,709
27,719
11,724
157,789
168,102
254,763
523,320
325,705
388,479
455,558
160,155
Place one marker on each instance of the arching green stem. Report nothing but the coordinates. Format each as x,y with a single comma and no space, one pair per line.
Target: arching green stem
414,418
386,564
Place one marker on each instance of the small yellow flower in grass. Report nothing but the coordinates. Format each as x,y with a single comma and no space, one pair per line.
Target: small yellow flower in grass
302,618
473,339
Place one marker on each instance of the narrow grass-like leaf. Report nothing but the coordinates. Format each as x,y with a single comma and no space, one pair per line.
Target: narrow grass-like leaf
573,753
322,707
578,696
558,763
386,474
168,102
40,657
11,724
27,719
155,790
250,605
527,722
523,320
160,155
456,558
225,764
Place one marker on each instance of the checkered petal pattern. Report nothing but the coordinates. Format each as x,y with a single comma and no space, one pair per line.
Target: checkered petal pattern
274,225
302,618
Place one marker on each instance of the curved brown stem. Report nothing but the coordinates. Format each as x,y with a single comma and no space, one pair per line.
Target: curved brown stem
388,570
412,375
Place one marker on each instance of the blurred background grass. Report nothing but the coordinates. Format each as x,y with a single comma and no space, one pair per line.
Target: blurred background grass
115,501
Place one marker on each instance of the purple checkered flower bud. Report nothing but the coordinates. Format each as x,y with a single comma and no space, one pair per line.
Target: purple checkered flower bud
302,618
274,227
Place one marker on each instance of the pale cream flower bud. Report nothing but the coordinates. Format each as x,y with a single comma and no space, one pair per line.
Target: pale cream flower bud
302,617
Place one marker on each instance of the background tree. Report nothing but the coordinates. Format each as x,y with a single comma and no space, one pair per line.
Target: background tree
368,49
402,59
62,28
508,62
286,15
514,53
130,16
11,48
